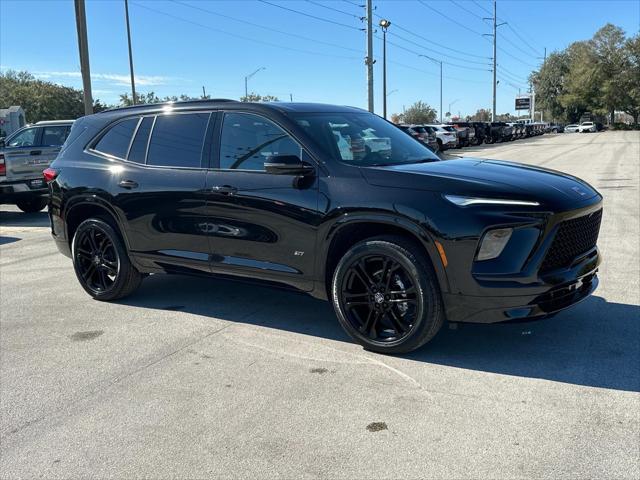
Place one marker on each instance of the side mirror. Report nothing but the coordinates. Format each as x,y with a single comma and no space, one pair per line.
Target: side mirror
287,165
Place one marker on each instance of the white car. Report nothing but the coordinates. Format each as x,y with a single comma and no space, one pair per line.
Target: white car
587,127
446,139
571,128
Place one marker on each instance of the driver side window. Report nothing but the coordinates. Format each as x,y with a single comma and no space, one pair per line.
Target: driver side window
26,138
248,140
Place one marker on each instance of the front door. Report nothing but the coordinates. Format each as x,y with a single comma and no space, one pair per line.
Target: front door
261,225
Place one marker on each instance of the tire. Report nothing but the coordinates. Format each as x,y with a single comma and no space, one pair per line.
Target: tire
401,300
101,262
32,205
440,147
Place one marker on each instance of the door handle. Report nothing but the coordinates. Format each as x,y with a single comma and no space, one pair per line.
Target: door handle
224,189
128,184
35,152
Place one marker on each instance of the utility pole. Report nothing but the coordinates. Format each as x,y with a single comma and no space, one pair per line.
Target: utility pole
369,60
493,110
204,93
384,24
133,82
495,41
83,47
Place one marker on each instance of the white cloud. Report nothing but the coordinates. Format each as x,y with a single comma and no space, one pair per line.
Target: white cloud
113,78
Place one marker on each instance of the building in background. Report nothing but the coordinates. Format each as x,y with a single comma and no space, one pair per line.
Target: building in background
11,119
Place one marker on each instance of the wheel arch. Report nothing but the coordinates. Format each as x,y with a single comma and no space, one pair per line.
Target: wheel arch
80,209
346,232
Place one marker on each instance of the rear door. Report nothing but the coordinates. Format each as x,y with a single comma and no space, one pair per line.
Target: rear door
23,155
160,192
51,141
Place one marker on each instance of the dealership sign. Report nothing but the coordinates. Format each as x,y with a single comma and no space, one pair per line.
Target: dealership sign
523,102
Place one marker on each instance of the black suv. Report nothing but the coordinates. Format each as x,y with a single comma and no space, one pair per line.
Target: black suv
330,200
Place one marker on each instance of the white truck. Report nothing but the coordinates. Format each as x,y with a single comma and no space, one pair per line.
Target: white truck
23,156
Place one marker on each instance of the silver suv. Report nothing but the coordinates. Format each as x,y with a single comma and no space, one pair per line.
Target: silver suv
23,156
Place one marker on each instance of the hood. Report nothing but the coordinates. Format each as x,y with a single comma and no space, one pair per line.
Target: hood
486,178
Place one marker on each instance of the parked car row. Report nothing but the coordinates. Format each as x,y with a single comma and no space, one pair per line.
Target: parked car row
464,134
584,127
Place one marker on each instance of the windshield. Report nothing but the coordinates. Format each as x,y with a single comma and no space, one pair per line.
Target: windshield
362,139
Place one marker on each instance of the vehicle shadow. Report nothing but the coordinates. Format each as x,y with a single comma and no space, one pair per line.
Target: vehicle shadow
8,240
20,219
596,343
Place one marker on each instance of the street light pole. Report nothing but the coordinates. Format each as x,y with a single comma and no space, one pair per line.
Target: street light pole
384,24
440,91
133,82
246,81
369,59
83,47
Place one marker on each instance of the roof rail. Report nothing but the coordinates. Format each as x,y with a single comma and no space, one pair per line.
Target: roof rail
179,102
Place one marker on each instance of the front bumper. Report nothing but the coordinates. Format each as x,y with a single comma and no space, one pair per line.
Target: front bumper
562,290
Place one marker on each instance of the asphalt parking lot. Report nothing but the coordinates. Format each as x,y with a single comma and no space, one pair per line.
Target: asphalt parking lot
200,377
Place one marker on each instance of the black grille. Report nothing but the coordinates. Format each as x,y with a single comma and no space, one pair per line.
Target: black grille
573,238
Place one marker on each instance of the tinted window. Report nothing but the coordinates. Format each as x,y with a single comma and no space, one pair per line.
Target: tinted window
54,135
177,140
116,141
26,138
248,140
362,139
139,145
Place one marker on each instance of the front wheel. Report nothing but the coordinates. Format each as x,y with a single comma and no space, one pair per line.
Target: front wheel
386,295
101,262
32,205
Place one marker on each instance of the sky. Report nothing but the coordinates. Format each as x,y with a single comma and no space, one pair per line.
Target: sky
308,50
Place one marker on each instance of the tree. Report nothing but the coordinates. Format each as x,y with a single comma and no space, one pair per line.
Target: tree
549,84
631,79
481,115
396,117
254,97
419,112
42,100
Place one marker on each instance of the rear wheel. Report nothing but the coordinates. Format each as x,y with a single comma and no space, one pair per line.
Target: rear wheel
32,205
101,261
386,296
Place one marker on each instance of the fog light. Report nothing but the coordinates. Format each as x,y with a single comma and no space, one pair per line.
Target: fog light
493,243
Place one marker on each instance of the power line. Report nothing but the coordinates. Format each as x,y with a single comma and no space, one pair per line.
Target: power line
523,40
517,47
264,27
480,6
449,18
516,77
402,47
441,53
466,10
310,16
259,41
536,52
334,9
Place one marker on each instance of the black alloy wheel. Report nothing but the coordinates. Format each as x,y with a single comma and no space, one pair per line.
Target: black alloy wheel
386,296
97,259
101,262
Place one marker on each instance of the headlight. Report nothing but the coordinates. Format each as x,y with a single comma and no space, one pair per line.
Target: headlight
493,243
466,201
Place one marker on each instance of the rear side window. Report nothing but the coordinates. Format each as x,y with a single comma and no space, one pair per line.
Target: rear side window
139,146
177,140
55,135
116,141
